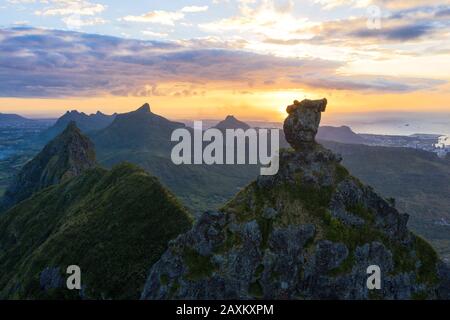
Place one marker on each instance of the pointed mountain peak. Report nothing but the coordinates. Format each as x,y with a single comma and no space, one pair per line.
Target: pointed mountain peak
231,122
144,109
66,156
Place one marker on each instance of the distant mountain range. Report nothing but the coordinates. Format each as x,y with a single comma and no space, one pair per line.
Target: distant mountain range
10,119
339,134
86,123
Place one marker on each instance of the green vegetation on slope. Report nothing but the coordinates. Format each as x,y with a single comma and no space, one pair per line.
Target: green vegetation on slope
418,180
113,224
305,203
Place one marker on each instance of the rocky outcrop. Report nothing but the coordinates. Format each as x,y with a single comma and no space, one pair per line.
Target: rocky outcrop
67,156
300,127
309,232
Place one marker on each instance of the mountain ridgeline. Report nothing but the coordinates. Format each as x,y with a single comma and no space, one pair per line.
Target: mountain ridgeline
113,224
86,123
136,129
309,232
12,119
144,138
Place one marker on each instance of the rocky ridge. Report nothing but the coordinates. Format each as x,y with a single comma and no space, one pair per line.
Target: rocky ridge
308,232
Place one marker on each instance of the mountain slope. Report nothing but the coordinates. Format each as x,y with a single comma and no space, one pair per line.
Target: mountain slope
418,180
309,232
112,224
86,123
143,138
68,155
137,129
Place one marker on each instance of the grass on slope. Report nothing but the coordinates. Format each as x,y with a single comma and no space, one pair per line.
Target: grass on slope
418,180
113,224
200,187
303,203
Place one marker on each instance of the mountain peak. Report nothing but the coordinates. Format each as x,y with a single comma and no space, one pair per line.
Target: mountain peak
66,156
144,109
230,122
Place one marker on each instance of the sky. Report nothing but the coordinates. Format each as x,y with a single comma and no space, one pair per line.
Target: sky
199,59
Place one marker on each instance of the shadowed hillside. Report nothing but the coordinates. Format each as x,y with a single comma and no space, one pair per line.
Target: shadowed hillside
113,224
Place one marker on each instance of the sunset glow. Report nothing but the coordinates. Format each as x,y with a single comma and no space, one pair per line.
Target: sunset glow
206,59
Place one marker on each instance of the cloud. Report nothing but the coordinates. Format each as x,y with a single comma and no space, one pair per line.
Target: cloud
415,25
371,83
260,18
404,4
400,33
51,63
331,4
193,9
443,13
158,16
70,7
164,17
74,13
154,34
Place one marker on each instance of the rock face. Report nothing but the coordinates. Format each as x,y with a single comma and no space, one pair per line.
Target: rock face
309,232
67,156
300,127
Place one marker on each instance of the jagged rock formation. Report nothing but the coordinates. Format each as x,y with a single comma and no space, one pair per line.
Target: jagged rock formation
86,123
308,232
67,156
137,129
300,127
